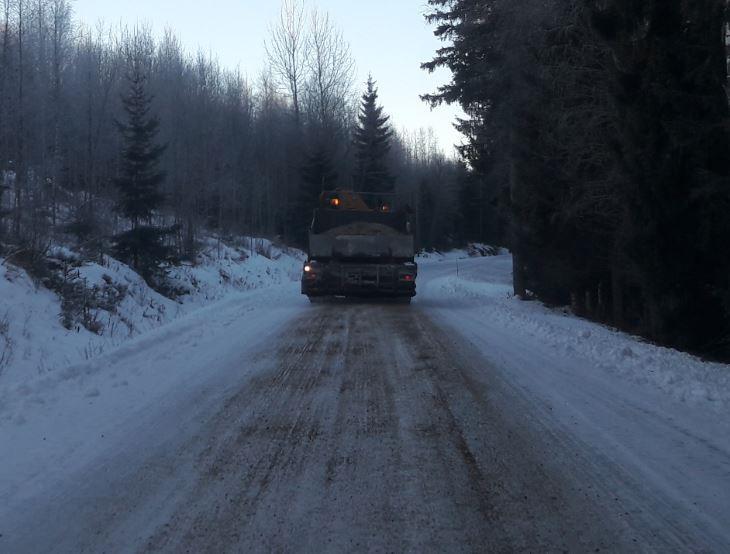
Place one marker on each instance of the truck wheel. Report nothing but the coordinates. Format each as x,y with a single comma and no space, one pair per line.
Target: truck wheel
404,300
317,299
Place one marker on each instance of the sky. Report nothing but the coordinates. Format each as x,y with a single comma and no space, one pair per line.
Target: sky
389,38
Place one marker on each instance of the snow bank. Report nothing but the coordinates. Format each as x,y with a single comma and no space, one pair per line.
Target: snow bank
483,293
34,341
473,250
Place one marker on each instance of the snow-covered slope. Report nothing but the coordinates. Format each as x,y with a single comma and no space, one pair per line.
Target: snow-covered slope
34,342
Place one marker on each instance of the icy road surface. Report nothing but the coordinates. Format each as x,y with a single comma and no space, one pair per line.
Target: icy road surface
467,422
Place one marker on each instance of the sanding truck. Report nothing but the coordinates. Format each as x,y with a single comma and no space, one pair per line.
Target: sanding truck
360,245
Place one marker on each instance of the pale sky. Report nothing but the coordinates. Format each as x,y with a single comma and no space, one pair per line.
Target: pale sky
388,38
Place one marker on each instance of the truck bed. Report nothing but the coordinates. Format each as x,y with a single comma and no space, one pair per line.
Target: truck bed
385,247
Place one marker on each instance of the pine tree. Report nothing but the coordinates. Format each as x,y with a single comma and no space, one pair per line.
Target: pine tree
139,181
372,145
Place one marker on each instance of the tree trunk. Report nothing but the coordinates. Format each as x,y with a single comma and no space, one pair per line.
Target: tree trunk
519,273
617,297
519,278
20,155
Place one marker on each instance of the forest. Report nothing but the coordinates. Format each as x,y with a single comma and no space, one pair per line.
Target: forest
596,147
602,127
83,110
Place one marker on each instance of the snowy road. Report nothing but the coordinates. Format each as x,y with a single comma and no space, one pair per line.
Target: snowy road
455,425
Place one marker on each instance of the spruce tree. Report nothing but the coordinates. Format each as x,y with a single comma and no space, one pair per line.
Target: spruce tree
318,175
372,145
139,181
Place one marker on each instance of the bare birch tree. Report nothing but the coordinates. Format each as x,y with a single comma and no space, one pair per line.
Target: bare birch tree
331,68
287,51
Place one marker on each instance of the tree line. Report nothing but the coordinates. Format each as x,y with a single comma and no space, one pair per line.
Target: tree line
229,155
602,128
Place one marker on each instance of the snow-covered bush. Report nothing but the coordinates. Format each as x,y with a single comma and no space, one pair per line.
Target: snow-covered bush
82,303
477,250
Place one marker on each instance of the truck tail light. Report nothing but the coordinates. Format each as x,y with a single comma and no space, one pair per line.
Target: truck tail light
407,277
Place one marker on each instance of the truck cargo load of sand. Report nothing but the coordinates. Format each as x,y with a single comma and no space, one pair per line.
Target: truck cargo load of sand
363,229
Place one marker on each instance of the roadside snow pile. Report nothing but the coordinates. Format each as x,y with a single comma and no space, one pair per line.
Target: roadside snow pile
483,298
473,250
99,306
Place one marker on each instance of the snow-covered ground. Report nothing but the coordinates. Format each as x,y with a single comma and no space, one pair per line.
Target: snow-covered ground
646,422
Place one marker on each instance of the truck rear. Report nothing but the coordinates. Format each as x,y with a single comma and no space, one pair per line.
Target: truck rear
360,245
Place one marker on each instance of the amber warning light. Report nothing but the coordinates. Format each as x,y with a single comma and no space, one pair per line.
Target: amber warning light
335,202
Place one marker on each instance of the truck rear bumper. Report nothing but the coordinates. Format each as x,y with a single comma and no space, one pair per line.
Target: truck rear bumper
360,280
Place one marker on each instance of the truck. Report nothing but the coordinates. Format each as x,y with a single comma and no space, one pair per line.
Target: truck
360,245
